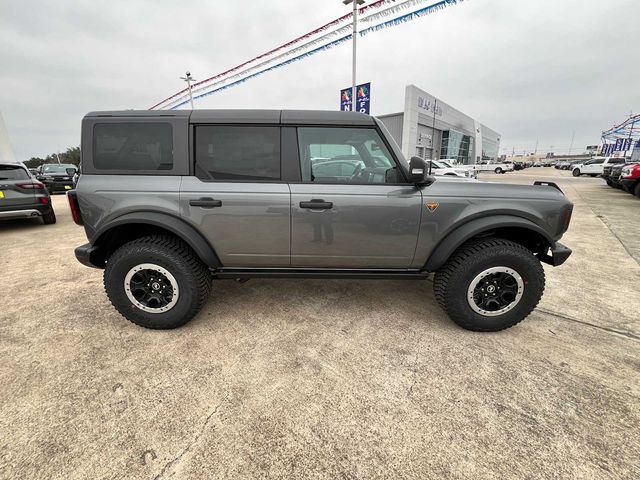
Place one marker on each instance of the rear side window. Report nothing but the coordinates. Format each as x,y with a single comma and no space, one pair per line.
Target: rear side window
237,153
10,172
616,160
133,146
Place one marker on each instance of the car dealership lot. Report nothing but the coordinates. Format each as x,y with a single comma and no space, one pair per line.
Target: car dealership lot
324,378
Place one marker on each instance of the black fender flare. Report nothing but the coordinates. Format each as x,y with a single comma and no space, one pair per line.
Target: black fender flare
468,230
175,225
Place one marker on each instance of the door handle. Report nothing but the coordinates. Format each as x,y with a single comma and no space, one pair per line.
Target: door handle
317,204
205,202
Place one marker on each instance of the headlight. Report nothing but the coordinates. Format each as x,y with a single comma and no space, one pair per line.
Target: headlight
626,172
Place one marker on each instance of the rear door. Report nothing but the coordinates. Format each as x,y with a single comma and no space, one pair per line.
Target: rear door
237,197
362,215
11,193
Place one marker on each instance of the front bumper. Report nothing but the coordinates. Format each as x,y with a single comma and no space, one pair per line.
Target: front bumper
86,255
628,183
559,255
58,185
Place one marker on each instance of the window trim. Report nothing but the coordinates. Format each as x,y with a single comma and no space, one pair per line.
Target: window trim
193,142
365,127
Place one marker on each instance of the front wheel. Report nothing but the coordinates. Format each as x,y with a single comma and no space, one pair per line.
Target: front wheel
498,170
489,285
157,282
636,190
576,172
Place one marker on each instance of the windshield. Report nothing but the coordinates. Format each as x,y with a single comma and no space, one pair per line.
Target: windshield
447,164
13,172
56,168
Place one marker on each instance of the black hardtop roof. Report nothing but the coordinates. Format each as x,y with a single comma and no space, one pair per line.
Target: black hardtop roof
304,117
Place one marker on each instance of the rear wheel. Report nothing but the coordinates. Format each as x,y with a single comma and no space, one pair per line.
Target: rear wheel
498,170
49,218
157,282
576,172
489,285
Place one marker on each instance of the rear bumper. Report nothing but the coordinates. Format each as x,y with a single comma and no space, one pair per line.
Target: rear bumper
86,255
24,211
559,255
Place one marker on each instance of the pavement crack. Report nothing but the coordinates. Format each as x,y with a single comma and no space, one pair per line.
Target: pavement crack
187,449
623,333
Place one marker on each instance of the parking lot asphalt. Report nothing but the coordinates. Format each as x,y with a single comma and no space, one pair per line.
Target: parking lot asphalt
324,378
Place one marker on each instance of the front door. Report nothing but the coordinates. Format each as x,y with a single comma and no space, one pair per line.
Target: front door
237,197
352,208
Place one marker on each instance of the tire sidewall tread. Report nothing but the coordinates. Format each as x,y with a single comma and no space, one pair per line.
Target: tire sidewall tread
192,276
452,281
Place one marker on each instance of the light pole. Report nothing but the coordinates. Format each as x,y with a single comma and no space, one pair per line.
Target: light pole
189,79
354,36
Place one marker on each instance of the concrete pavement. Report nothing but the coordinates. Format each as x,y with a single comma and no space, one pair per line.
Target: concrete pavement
324,379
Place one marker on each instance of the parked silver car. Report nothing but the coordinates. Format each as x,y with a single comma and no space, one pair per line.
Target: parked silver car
22,196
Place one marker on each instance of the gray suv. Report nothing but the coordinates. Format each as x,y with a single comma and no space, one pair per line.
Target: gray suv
171,200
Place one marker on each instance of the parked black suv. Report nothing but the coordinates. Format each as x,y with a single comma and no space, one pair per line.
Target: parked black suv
57,177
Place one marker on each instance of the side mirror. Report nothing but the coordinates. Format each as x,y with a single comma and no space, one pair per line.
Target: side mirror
419,171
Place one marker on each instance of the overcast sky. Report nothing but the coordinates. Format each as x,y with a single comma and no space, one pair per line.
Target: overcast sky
528,69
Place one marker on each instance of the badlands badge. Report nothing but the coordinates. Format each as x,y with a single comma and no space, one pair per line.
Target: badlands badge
432,206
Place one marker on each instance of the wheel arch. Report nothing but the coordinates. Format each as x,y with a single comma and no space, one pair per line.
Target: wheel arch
517,229
135,225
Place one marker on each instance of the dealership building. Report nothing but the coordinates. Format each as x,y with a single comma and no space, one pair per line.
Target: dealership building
429,128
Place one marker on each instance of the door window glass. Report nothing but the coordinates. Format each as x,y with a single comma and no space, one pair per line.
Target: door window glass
345,155
237,153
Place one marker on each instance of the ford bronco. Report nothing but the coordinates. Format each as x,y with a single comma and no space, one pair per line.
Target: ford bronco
171,200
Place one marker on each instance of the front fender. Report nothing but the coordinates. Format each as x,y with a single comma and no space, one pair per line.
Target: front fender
473,228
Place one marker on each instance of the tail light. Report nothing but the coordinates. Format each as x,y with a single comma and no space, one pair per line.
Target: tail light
34,185
76,214
567,217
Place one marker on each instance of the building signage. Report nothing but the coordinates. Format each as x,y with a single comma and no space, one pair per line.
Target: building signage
363,99
626,145
429,105
608,149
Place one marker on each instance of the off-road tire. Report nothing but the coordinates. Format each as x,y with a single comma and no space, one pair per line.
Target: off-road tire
610,183
191,275
452,281
49,218
576,172
636,190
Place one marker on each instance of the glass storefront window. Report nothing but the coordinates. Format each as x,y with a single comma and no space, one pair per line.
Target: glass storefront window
456,146
489,149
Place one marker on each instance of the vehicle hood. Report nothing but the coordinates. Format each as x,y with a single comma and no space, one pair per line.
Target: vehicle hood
482,189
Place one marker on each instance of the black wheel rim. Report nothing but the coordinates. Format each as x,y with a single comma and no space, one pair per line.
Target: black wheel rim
495,291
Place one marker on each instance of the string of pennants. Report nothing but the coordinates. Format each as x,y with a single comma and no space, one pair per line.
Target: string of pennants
320,39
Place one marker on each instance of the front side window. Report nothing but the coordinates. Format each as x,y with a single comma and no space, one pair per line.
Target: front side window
133,146
345,155
237,153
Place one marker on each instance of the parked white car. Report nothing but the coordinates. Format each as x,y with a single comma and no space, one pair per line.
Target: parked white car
442,168
595,166
497,167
